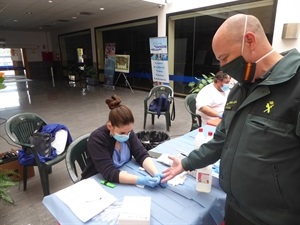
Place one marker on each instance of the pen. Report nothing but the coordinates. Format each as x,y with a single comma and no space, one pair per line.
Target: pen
93,200
183,154
108,184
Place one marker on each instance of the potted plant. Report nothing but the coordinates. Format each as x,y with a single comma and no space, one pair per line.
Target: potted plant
195,87
7,179
91,75
74,72
2,78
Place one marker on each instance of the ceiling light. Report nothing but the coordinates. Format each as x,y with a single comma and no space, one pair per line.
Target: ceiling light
16,20
101,9
74,17
50,1
160,2
28,13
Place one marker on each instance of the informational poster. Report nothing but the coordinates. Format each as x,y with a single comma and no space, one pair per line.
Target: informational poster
159,59
109,67
122,63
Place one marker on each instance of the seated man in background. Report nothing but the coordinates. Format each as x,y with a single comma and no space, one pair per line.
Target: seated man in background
211,99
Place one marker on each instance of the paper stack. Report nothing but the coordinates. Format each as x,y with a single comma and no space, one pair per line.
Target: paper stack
135,210
86,198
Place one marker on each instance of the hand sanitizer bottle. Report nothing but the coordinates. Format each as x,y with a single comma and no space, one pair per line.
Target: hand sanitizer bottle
209,136
204,179
199,139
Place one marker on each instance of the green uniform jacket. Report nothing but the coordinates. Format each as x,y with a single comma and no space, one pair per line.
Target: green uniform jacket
258,142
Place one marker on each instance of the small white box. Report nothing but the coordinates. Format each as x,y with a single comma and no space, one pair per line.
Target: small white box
135,210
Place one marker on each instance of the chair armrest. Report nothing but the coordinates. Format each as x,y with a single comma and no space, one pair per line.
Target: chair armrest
24,145
36,156
147,98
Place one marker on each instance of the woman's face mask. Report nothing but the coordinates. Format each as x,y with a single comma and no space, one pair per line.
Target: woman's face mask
120,134
121,137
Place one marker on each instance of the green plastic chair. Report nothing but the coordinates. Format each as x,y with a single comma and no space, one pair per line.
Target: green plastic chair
19,128
156,92
76,156
190,105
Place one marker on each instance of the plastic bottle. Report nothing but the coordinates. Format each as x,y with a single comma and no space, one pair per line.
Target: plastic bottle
199,139
204,179
209,136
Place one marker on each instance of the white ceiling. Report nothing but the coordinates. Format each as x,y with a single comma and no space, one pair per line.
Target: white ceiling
46,16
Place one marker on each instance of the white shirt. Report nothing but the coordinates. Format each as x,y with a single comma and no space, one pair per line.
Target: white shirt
212,97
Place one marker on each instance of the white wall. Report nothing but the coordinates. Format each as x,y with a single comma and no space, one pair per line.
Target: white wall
34,42
288,11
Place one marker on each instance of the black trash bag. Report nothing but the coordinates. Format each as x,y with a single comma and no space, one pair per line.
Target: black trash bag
150,139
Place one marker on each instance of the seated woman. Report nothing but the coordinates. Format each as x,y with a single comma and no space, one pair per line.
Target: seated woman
113,144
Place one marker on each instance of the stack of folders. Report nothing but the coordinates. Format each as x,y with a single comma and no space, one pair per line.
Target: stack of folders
135,210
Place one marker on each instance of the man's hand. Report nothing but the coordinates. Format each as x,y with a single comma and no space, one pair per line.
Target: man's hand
173,170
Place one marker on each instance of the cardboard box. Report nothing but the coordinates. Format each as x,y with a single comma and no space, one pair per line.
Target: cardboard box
14,165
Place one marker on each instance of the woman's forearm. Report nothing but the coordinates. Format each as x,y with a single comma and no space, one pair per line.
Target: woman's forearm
149,166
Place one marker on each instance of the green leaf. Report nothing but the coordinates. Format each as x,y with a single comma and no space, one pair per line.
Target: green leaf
2,86
7,181
192,84
5,196
207,79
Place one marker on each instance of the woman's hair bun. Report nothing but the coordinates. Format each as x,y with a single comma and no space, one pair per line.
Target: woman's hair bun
113,102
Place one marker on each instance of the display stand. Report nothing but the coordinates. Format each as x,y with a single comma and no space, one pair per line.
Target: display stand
122,66
126,81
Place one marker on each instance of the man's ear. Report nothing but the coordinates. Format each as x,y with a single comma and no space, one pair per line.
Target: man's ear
250,40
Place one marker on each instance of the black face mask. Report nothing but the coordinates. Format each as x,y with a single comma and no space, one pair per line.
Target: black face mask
240,70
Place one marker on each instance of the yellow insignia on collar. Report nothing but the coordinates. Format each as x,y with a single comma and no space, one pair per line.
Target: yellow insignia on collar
230,104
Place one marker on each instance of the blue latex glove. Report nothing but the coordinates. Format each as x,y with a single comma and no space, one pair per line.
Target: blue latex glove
160,176
147,180
220,115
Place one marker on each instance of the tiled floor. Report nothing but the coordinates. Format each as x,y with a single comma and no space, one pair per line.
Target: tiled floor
81,114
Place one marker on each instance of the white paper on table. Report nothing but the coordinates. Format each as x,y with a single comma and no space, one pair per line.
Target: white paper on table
60,141
86,198
164,159
178,179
